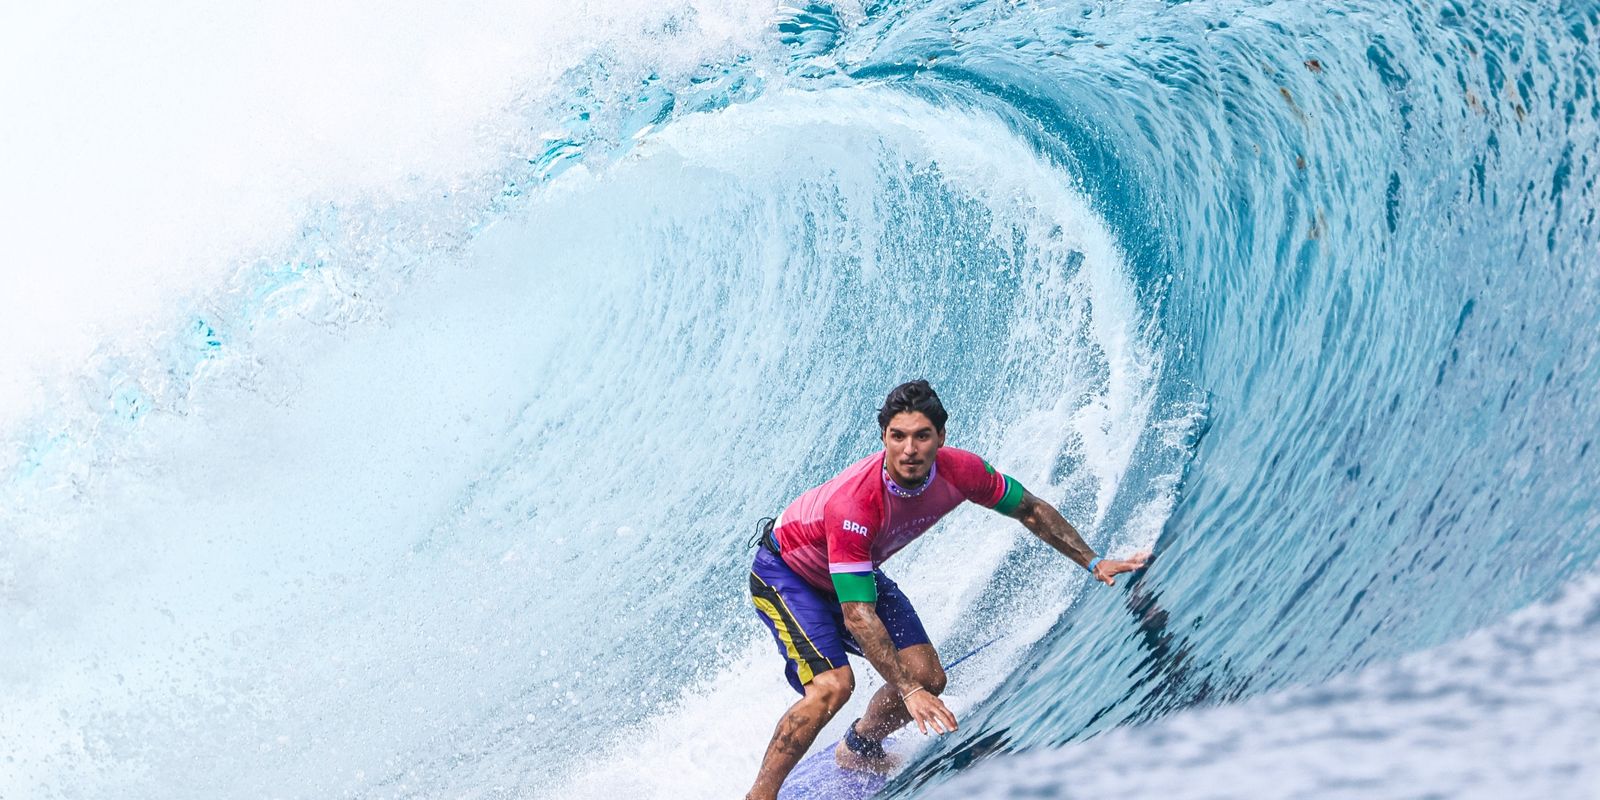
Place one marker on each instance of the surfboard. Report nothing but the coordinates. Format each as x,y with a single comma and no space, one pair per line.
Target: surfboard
819,777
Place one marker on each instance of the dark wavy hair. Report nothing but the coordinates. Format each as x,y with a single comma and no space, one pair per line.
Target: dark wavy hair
914,395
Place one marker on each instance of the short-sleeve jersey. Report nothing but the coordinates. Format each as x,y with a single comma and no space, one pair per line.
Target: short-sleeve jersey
836,534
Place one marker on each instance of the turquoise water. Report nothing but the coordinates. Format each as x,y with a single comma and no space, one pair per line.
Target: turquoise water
443,491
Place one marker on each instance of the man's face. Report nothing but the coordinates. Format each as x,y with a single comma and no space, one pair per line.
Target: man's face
909,445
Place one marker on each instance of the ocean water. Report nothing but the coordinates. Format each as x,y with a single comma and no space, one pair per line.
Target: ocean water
387,395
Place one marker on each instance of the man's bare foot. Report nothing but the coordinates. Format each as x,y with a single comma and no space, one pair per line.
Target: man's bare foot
850,759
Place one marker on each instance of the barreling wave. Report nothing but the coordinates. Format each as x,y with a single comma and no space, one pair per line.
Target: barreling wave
449,496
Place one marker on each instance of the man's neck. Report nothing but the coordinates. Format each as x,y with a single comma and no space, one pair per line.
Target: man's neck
901,482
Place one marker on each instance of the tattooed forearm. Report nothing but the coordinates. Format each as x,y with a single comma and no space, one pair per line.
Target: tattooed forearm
1047,523
862,620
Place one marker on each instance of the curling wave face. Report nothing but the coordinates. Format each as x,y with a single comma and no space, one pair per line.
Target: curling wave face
448,497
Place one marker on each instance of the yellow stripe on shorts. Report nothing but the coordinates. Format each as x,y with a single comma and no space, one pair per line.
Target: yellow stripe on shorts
771,610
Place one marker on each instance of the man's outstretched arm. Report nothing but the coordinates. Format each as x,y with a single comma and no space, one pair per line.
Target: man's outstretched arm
1047,523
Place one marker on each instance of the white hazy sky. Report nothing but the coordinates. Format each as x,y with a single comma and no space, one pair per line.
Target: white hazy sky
145,146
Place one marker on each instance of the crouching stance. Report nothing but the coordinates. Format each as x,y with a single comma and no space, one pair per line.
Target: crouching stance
816,583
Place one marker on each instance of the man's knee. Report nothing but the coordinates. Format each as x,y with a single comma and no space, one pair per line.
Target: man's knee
922,663
832,688
933,678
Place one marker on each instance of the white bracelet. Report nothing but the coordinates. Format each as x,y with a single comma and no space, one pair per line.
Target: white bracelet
912,692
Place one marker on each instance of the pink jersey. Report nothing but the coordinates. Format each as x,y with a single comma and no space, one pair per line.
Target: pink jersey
836,534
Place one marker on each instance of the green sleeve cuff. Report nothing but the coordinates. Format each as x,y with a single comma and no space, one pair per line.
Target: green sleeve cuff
855,587
1012,498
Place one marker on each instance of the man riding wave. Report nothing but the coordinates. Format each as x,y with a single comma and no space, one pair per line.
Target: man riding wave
816,583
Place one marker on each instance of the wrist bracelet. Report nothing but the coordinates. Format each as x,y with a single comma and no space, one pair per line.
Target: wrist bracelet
1096,560
912,692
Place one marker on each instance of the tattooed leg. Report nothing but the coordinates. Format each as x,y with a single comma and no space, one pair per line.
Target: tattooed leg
825,695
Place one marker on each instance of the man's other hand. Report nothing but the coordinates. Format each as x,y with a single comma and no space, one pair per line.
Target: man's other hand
1110,567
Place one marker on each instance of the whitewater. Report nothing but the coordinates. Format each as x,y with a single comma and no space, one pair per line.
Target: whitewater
387,395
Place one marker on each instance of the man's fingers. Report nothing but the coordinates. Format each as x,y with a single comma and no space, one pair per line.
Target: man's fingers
937,717
1104,571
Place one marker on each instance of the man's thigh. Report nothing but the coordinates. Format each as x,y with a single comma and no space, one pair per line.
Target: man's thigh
804,623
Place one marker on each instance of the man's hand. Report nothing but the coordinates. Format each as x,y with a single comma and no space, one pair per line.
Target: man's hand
1110,567
929,711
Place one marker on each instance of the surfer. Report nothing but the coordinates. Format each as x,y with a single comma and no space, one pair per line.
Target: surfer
816,583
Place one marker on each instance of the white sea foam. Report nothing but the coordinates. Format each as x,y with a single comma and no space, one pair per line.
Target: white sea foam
152,155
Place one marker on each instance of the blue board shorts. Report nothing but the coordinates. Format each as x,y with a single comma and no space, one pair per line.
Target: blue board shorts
808,624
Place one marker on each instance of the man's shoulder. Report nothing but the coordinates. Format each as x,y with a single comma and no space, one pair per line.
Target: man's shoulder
857,495
974,477
955,457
